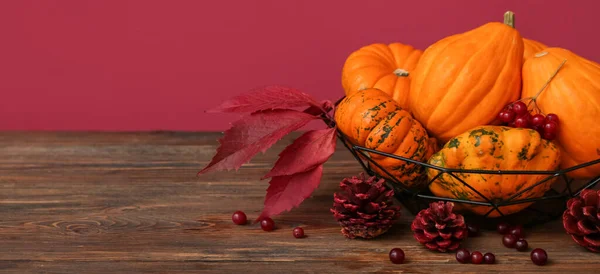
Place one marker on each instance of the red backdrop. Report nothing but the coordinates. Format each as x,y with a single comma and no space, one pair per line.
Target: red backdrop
147,65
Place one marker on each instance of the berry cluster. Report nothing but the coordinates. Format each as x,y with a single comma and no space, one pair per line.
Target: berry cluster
517,115
463,256
513,237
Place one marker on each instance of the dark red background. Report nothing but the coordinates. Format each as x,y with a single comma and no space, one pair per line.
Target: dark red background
146,64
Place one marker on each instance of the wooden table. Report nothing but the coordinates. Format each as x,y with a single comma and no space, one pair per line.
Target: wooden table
131,203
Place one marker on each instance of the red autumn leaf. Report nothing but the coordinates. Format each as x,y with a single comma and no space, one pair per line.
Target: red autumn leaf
254,133
311,149
286,192
269,97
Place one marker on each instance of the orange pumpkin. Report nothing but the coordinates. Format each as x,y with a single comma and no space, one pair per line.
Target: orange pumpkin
372,119
574,95
465,80
531,47
494,148
381,66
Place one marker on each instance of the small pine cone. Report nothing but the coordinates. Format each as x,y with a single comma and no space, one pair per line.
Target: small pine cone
364,207
582,219
438,228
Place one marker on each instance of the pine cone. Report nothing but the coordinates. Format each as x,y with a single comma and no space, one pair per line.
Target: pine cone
364,208
438,228
582,219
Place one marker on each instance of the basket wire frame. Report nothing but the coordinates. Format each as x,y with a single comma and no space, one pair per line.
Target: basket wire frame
417,199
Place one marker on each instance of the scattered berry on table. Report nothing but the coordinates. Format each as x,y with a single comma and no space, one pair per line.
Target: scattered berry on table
476,257
509,240
489,258
517,231
521,245
239,218
503,228
267,224
298,232
539,256
473,230
463,255
396,255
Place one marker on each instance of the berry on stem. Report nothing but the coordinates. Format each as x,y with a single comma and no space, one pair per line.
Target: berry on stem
521,245
539,256
519,108
476,257
538,120
267,224
298,232
522,122
239,218
489,258
551,117
397,256
463,256
509,240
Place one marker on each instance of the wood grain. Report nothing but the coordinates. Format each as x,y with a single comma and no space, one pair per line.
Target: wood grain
131,203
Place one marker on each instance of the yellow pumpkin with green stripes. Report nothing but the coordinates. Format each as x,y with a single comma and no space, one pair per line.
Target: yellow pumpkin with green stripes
494,148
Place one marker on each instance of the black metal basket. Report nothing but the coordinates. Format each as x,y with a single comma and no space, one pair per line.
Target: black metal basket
542,209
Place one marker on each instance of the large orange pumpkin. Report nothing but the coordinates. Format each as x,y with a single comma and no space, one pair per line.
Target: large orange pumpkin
464,80
494,148
381,66
531,47
574,95
372,119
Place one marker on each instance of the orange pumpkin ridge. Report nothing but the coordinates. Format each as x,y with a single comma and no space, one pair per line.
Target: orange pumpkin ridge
574,95
452,92
383,67
372,119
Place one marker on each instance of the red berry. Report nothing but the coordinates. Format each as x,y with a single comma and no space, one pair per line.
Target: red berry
239,218
551,127
519,108
267,224
476,257
538,120
517,231
509,240
463,255
539,256
298,232
540,130
473,230
522,122
489,258
551,117
506,116
549,136
503,228
522,245
397,256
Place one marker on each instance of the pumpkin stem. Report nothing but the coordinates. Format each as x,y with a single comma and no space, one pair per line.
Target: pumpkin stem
550,79
509,18
401,73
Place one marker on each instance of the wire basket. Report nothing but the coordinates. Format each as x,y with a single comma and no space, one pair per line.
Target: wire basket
541,209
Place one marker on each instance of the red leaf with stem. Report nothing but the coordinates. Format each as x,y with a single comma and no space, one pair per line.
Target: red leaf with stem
269,97
252,134
311,149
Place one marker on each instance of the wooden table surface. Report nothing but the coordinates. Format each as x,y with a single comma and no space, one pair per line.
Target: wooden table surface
131,203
